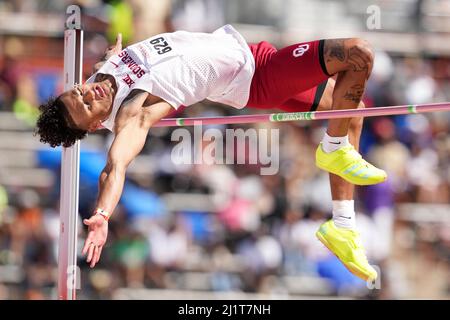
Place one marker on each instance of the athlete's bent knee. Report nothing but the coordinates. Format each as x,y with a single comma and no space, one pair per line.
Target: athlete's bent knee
351,54
360,55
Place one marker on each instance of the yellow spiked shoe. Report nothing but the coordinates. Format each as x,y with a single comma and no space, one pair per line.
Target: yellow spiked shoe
346,245
347,163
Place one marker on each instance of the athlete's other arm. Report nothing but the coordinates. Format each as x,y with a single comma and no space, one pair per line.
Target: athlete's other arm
128,143
112,50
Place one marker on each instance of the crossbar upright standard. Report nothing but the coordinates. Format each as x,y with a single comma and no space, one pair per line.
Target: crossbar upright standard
70,163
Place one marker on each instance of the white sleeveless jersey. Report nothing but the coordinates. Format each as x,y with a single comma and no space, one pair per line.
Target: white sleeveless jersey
184,68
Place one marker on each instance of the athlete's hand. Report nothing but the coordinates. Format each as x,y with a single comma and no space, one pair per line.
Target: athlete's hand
114,49
96,239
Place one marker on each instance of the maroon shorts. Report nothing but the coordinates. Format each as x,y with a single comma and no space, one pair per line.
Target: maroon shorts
291,79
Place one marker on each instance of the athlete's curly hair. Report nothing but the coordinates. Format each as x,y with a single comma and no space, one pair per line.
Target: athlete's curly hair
55,126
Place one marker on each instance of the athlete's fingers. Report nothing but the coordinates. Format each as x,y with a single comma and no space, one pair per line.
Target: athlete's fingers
119,41
94,256
87,243
90,253
100,248
86,246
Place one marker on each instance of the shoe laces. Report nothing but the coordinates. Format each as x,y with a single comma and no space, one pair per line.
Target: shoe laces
353,152
366,164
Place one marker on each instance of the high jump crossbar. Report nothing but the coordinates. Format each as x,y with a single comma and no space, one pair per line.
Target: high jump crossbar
312,115
70,163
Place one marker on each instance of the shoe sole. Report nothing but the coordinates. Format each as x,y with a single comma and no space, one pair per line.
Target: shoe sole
350,266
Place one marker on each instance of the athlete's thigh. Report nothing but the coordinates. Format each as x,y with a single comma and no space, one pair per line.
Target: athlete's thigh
308,100
287,73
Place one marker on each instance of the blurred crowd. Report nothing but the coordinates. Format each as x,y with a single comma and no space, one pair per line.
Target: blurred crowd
245,232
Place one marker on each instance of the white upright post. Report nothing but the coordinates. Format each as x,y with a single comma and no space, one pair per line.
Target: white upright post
70,163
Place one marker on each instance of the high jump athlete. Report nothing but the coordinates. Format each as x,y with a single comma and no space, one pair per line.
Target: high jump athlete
135,87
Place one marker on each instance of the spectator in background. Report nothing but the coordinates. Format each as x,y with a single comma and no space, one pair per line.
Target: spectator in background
32,246
10,72
198,15
26,101
420,85
120,16
150,17
379,88
131,251
168,242
389,152
18,89
3,202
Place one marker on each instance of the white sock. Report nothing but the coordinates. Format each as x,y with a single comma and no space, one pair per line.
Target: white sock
330,144
344,214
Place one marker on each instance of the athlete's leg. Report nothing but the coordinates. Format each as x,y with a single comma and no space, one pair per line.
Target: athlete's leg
338,234
320,98
341,189
281,75
352,60
290,78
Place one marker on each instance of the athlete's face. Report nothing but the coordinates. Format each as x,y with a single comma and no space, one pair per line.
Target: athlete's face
89,104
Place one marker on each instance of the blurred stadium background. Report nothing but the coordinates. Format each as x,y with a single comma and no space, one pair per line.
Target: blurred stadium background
214,232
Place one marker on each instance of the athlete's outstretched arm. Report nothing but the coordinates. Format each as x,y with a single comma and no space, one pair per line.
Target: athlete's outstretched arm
127,144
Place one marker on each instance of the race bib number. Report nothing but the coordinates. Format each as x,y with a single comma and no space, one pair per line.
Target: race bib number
152,51
160,45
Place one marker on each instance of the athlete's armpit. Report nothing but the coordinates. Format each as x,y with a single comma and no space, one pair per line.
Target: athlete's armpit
131,106
135,95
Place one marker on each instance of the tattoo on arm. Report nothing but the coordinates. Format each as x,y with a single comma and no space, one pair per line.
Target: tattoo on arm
355,93
334,48
357,59
356,56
